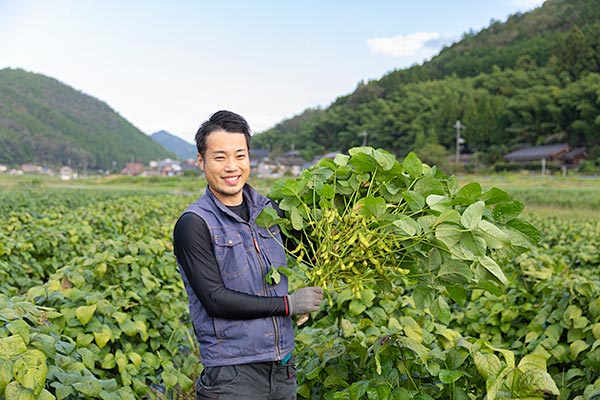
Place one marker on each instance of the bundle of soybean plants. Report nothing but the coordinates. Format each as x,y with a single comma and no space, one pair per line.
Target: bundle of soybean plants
367,221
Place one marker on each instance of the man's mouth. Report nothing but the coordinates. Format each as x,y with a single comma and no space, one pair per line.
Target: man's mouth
232,179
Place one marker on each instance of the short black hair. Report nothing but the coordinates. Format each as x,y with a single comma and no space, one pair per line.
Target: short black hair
222,120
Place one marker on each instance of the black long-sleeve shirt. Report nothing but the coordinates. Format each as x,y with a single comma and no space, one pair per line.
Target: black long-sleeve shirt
193,248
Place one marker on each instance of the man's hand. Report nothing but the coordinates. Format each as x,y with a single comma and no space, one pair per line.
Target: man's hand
305,300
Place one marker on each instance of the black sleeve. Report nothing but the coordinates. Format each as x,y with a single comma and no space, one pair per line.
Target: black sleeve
193,249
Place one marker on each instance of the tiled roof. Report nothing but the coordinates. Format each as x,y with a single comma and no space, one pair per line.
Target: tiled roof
538,152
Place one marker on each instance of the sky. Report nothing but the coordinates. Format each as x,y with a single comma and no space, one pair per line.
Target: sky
168,65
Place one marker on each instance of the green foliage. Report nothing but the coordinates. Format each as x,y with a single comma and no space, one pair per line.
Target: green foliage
90,289
530,80
46,122
394,244
550,307
97,307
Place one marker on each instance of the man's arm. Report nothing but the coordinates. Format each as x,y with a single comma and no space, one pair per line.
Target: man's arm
193,249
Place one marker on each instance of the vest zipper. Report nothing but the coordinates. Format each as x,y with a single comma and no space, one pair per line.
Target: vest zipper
264,282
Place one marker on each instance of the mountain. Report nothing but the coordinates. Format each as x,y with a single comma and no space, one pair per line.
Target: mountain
44,121
533,79
180,147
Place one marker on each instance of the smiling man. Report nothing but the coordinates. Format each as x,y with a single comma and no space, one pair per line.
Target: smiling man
242,323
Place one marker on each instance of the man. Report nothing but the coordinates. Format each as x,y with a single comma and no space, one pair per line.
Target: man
242,323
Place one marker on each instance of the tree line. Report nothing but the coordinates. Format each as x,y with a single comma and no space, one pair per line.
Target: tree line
532,80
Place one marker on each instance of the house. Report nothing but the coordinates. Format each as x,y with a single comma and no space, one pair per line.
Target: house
573,158
66,173
133,169
256,158
556,154
30,168
266,168
291,163
168,167
3,168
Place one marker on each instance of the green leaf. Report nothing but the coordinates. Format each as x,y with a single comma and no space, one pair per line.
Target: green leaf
14,391
46,395
447,376
6,373
326,191
455,271
414,200
88,358
296,219
495,238
507,211
361,161
537,382
412,164
30,370
12,345
356,307
376,206
62,391
384,159
131,328
488,365
441,310
449,234
341,159
494,196
103,336
269,217
89,386
408,226
21,328
457,293
532,361
468,194
429,185
529,231
273,277
423,296
490,265
577,347
85,313
471,217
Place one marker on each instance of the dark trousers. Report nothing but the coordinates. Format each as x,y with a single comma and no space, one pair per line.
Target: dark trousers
257,381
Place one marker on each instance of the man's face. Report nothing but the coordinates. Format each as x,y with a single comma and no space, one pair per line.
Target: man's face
226,165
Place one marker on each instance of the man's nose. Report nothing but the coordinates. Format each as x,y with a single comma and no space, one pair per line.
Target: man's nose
230,164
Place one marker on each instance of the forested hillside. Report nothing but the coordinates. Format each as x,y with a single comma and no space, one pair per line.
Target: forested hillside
45,122
533,79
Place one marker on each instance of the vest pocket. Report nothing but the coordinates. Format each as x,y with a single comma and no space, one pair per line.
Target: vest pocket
231,255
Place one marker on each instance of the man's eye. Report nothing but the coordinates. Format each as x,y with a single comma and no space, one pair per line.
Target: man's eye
241,156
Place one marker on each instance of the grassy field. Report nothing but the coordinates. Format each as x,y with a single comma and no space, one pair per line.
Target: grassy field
575,197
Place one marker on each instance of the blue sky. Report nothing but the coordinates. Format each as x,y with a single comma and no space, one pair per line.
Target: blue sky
167,65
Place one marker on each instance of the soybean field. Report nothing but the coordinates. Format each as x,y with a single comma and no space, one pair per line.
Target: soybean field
490,285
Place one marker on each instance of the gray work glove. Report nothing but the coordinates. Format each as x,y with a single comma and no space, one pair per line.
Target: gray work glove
304,300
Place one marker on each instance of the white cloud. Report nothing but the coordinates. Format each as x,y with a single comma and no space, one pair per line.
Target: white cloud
404,45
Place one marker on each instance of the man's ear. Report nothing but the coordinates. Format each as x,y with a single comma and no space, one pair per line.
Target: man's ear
200,161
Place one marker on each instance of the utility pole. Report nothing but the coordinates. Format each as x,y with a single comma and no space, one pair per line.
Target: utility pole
459,139
364,134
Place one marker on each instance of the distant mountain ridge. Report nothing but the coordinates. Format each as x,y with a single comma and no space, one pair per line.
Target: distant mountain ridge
180,147
44,121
